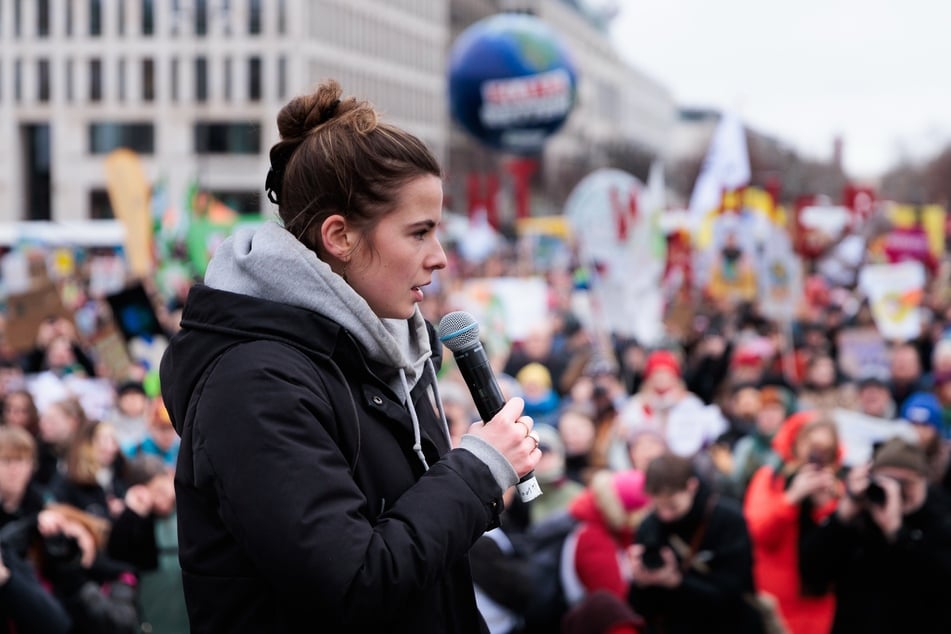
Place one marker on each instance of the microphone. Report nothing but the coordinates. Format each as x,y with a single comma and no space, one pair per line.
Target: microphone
459,331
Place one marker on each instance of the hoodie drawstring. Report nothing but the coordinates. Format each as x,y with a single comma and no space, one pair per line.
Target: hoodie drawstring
434,392
417,437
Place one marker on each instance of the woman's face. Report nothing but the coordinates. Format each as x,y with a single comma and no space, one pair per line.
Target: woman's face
822,372
390,269
56,425
105,443
819,443
17,410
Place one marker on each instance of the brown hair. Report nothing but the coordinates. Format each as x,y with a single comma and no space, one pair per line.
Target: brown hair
33,422
336,157
668,473
825,421
82,463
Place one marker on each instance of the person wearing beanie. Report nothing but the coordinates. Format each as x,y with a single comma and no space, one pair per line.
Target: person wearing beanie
610,510
664,404
923,411
756,449
886,551
541,399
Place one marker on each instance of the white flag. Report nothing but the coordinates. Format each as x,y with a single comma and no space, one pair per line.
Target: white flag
726,167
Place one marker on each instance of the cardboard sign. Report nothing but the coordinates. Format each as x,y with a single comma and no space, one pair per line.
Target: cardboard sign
27,310
111,350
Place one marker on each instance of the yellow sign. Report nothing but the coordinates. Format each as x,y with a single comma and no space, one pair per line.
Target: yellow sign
129,196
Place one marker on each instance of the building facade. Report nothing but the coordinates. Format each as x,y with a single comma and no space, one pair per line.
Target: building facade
193,87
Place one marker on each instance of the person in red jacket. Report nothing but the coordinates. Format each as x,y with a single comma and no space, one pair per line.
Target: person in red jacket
609,511
783,505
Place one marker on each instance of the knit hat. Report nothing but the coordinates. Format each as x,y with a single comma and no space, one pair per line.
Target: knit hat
922,408
534,374
620,495
661,359
901,454
776,395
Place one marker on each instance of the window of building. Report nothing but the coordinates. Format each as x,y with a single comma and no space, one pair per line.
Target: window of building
282,16
148,17
69,18
95,17
69,81
227,137
95,80
173,79
99,206
176,15
18,80
201,17
148,79
242,201
43,80
254,79
254,16
226,85
120,17
201,79
17,18
120,72
42,18
104,137
281,77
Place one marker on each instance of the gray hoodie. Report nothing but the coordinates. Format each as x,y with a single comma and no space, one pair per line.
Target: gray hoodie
269,263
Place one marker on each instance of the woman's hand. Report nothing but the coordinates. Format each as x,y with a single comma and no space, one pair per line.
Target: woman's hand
511,435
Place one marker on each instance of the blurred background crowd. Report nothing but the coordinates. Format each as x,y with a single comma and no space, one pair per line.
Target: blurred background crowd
784,425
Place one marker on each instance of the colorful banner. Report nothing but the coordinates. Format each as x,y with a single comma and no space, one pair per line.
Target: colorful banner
617,230
895,292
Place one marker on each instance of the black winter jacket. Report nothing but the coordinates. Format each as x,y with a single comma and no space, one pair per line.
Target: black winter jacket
883,586
708,602
301,504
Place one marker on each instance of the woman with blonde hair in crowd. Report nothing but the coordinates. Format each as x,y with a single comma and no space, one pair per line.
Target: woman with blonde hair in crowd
784,504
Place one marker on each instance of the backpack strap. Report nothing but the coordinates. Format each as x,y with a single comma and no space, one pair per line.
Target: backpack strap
699,534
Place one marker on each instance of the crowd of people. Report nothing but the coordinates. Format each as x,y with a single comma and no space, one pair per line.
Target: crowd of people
738,476
696,485
699,484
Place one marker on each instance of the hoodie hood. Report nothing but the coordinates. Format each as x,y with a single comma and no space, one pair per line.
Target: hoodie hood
269,263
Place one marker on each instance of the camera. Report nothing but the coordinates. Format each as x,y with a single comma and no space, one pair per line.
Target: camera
875,494
651,558
61,549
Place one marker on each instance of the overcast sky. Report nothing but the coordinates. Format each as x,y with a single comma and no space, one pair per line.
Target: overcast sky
877,72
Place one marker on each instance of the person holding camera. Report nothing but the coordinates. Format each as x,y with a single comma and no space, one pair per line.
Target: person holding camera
886,551
784,504
692,563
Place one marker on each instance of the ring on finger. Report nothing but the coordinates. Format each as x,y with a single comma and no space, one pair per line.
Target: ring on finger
534,436
528,430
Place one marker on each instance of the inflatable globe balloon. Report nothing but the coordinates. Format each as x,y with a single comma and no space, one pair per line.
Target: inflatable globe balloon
511,82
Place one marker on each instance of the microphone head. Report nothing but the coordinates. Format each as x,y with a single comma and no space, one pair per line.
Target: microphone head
458,331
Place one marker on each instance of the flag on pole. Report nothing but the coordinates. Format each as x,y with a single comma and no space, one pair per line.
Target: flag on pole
726,168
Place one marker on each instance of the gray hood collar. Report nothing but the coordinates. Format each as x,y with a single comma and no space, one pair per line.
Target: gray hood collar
269,263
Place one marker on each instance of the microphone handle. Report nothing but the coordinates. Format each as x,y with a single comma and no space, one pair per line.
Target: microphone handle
487,395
